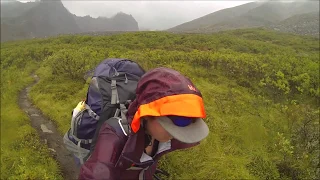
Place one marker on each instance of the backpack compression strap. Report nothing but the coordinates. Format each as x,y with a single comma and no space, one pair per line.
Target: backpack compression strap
114,92
73,132
123,122
92,113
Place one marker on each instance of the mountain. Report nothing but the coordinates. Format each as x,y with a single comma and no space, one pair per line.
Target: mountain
119,22
124,22
15,8
45,18
255,14
304,24
50,17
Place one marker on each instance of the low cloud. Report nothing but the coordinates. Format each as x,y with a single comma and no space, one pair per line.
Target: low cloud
153,15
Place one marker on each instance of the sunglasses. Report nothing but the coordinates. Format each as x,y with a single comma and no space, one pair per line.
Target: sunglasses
180,120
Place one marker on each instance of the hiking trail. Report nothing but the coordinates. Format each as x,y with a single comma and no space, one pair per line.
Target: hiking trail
48,134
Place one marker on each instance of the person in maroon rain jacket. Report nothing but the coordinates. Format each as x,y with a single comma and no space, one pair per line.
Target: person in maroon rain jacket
165,116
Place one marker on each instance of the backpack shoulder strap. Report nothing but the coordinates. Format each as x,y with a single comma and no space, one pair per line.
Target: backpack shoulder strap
124,122
120,123
116,124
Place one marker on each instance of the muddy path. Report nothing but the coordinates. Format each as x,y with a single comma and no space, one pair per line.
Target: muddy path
48,134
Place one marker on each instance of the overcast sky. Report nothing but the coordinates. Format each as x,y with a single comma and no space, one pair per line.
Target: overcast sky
150,14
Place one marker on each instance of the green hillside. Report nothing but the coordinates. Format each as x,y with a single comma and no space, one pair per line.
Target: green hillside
261,93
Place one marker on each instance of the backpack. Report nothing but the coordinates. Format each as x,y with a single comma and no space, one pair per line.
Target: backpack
111,90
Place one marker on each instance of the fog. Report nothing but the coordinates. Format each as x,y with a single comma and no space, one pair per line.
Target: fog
150,15
153,15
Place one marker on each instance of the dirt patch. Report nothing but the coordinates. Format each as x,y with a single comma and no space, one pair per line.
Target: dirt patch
48,134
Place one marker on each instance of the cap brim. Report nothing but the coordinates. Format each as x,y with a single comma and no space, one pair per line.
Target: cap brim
192,133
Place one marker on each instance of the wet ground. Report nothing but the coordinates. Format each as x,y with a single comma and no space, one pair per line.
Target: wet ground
48,134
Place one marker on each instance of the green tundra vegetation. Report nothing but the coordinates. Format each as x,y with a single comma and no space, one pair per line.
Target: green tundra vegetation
261,93
23,156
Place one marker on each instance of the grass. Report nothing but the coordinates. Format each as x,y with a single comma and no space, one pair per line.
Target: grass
260,90
23,156
57,98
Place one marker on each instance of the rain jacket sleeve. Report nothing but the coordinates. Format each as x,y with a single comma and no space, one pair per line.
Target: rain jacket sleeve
101,164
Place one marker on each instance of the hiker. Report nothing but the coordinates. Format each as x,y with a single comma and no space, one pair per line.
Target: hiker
165,115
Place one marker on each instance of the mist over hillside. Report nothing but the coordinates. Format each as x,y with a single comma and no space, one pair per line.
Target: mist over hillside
255,14
44,18
304,24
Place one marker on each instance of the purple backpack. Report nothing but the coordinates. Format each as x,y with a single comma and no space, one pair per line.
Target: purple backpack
112,88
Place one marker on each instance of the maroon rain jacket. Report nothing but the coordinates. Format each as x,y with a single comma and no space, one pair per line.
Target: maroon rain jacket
119,157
